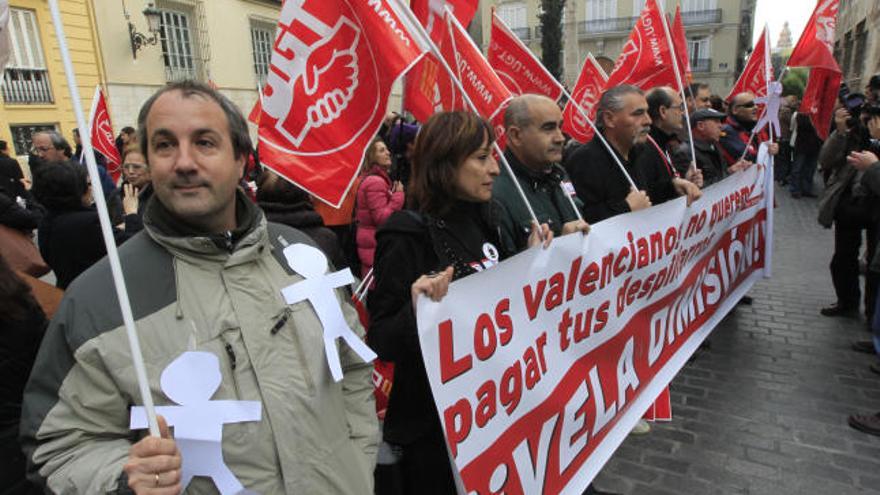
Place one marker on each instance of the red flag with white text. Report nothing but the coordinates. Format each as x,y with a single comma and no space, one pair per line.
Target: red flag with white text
679,41
101,134
646,60
422,92
332,68
481,83
587,91
758,71
820,95
517,66
815,48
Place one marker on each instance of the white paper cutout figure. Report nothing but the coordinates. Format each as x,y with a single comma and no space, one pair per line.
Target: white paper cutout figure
191,380
773,100
319,289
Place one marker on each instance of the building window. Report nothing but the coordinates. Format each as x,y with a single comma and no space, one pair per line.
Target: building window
21,136
178,46
25,80
638,5
698,54
861,46
697,5
598,10
847,52
262,39
514,15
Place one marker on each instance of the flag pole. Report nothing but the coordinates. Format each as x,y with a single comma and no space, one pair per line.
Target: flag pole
426,40
573,102
769,185
106,228
687,115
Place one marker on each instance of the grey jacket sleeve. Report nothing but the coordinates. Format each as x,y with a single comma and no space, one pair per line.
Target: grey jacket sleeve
832,156
360,403
74,428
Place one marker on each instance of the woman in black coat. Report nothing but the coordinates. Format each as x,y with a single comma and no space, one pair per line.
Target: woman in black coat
283,202
70,234
447,232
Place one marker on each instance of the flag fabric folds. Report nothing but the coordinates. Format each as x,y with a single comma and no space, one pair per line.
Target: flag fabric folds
820,95
101,132
586,93
754,77
646,58
815,49
482,84
423,86
517,66
680,41
332,68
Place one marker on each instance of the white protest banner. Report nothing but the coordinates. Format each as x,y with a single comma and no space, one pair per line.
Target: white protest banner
541,366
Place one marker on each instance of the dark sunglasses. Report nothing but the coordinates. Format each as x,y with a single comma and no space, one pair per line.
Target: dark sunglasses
747,105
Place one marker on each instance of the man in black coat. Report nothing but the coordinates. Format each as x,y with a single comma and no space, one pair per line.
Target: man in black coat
598,180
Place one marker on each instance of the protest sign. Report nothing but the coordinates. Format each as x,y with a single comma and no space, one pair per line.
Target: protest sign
541,366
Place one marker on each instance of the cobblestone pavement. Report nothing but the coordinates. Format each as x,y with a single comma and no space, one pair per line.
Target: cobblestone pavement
764,410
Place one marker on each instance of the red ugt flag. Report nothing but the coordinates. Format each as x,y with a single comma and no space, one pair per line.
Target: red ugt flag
645,60
333,65
422,90
679,40
101,134
815,48
517,66
754,77
587,91
819,98
481,83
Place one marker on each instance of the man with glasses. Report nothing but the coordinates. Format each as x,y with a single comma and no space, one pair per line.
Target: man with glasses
667,120
737,141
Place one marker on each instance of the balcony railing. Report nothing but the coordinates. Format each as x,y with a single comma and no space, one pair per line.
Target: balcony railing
26,86
701,65
522,32
611,25
692,17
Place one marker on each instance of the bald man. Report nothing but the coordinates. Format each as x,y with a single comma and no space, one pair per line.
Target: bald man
533,126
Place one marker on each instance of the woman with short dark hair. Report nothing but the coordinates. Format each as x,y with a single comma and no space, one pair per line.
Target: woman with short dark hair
69,235
448,232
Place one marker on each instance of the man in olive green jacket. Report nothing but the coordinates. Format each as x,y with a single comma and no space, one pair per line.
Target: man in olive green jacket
206,275
532,125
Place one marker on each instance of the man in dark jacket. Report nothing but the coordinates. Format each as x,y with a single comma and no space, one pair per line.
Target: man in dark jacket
667,123
706,129
532,125
845,205
622,118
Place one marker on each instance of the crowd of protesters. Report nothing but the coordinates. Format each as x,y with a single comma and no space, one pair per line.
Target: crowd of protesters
430,205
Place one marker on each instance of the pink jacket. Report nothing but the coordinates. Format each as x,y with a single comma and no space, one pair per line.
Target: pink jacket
375,203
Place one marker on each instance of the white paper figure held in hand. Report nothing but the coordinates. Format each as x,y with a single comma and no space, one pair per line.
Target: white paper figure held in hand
319,289
191,380
773,101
